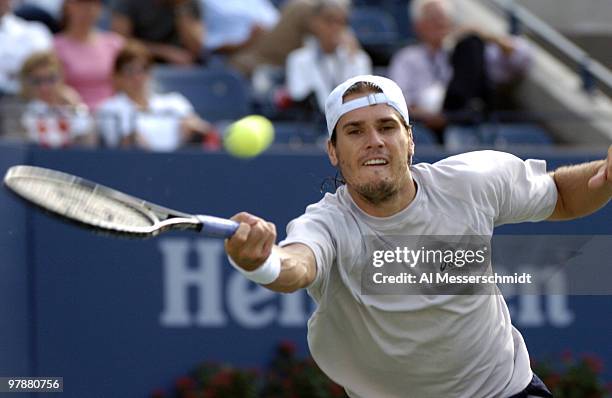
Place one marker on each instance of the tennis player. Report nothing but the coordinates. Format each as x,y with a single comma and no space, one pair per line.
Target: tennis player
398,346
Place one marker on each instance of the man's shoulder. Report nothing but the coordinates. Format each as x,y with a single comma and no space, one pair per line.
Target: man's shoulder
470,169
482,160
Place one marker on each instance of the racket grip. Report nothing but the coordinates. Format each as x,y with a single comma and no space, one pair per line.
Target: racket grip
217,227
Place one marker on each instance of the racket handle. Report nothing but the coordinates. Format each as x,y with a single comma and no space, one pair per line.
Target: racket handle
217,227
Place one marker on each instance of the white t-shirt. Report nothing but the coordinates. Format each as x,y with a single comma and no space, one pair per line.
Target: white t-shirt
55,127
18,40
421,346
119,117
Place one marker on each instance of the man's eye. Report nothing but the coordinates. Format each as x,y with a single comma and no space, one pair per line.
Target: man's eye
353,132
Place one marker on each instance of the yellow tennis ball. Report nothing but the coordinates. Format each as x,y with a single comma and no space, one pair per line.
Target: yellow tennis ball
249,136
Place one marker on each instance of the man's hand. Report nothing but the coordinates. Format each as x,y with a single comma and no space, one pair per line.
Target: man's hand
252,243
604,173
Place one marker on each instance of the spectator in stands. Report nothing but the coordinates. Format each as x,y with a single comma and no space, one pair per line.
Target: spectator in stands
268,46
172,30
137,116
325,60
444,85
18,39
48,12
87,54
54,115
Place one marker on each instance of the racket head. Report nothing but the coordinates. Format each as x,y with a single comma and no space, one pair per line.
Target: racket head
93,205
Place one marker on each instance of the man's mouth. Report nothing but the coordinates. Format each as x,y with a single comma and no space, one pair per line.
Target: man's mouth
375,162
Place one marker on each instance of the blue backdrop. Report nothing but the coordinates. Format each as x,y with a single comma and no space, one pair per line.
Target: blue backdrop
119,317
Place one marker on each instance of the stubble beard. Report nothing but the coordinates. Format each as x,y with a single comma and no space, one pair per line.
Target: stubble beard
379,192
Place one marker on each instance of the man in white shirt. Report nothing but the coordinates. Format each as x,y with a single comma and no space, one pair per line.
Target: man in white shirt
326,59
405,346
18,39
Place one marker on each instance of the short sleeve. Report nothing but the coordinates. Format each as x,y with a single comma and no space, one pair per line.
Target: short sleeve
313,229
528,192
500,185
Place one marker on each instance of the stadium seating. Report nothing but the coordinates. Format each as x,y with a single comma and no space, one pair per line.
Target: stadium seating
496,135
376,30
460,138
505,135
423,136
216,94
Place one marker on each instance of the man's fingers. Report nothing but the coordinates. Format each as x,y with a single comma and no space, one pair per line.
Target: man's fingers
245,217
599,179
252,242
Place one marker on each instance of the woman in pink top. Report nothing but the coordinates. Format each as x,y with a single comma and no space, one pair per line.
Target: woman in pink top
87,55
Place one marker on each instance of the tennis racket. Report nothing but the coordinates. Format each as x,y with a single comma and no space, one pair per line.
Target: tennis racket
104,209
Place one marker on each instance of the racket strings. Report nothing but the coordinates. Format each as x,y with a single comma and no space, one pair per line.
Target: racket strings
83,203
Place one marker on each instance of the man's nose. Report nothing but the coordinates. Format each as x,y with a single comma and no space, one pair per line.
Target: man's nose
374,138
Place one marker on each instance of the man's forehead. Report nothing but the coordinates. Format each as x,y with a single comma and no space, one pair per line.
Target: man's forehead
372,113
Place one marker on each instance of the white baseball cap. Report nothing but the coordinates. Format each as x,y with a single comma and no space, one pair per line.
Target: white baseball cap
391,94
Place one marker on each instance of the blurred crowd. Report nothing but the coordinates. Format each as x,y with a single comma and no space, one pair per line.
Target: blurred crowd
79,72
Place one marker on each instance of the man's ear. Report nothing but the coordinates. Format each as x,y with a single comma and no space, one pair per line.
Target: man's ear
331,152
410,142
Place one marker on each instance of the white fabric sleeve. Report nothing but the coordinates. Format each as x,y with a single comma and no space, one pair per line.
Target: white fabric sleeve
506,188
529,193
313,229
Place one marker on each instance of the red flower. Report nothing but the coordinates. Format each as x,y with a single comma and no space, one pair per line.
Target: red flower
185,383
222,379
567,357
594,363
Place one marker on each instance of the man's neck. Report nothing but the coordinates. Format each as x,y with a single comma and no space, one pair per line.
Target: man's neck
392,205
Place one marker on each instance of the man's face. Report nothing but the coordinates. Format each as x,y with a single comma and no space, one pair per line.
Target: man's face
372,151
434,25
329,27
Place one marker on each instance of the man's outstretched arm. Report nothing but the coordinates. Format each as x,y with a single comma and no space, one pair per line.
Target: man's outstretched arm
583,189
252,245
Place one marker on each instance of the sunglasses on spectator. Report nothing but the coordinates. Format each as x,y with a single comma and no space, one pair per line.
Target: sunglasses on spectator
41,80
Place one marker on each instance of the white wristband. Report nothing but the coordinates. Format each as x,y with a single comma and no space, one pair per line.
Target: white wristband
266,273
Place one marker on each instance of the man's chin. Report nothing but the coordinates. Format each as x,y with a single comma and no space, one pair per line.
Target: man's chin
377,192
